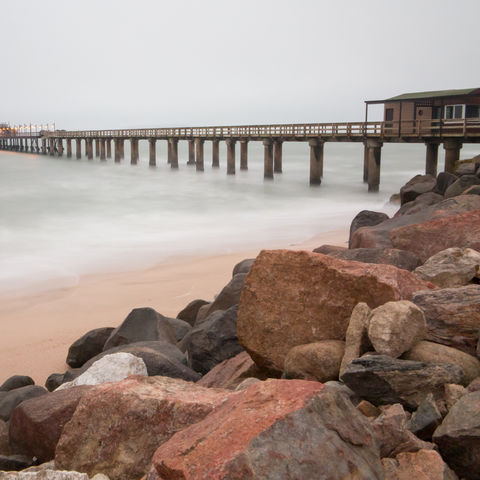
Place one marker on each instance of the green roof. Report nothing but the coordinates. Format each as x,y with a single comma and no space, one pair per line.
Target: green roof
438,93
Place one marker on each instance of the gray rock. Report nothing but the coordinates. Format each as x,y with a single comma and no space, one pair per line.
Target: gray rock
415,187
425,419
461,184
4,439
202,314
87,346
229,296
180,327
473,190
444,180
422,201
243,266
365,218
11,399
189,313
17,381
466,168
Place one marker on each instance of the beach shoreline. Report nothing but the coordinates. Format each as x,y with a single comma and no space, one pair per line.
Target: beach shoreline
38,328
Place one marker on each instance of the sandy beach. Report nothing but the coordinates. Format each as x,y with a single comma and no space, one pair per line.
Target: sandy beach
37,329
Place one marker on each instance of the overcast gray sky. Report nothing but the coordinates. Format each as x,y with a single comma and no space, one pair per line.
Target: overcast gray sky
142,63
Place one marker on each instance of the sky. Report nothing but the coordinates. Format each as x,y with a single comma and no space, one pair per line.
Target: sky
94,64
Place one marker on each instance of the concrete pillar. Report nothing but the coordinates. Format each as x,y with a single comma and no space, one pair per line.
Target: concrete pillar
153,151
118,150
277,156
121,142
60,147
78,147
169,152
109,147
51,142
102,149
374,158
365,163
69,147
216,154
316,161
89,148
452,154
133,151
431,160
97,147
44,146
231,156
191,152
199,154
268,159
244,155
174,153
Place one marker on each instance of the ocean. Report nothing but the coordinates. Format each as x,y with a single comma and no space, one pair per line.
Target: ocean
62,218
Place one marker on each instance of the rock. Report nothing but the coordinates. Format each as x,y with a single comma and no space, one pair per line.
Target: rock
430,352
246,383
466,168
250,436
458,437
231,372
453,393
11,399
229,296
395,327
4,439
416,186
292,298
48,475
36,424
140,325
88,346
444,180
392,434
14,463
330,249
368,409
421,465
318,361
385,256
473,190
243,266
365,218
54,380
461,184
474,386
356,338
452,315
453,267
428,238
116,429
202,312
17,381
189,313
425,419
110,368
383,380
417,205
180,327
213,341
394,199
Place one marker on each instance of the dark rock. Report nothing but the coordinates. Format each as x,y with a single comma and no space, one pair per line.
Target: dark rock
202,314
229,296
473,190
189,313
180,327
88,346
141,324
415,187
243,266
466,168
213,341
4,439
17,381
417,205
461,184
366,218
54,380
425,419
444,180
382,380
330,250
11,399
15,463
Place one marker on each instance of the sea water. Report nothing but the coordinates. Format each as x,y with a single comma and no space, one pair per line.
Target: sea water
62,218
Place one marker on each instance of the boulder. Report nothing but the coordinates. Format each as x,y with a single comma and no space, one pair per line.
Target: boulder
461,184
111,368
48,475
453,267
395,327
382,380
356,338
116,429
11,399
417,205
368,409
4,439
444,180
365,218
87,346
473,190
426,418
36,424
275,429
452,394
467,167
428,238
140,325
293,298
330,249
416,186
243,266
202,313
474,386
180,327
14,463
458,437
189,313
318,361
229,296
54,380
421,465
385,256
452,315
17,381
213,341
430,352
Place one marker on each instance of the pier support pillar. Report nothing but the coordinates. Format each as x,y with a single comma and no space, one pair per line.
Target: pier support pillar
431,160
69,148
231,156
97,147
169,152
268,159
365,163
191,152
51,142
152,151
44,146
244,155
109,148
199,154
121,143
59,146
452,154
78,147
118,150
374,160
102,149
277,156
316,161
173,153
89,148
133,151
215,154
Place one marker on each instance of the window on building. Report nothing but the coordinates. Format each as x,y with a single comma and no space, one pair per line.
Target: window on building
472,111
388,114
454,111
436,112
